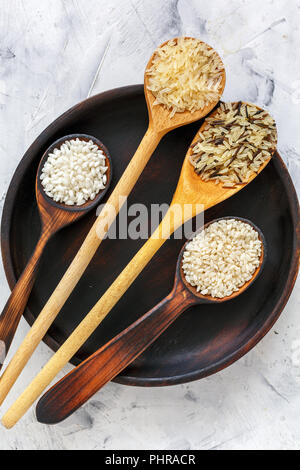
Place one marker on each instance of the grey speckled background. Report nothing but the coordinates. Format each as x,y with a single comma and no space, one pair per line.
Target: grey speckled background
53,54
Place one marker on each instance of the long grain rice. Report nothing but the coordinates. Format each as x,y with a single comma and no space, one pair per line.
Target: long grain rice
185,75
234,144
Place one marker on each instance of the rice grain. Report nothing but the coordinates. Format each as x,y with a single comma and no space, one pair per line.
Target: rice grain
222,257
75,172
185,75
234,143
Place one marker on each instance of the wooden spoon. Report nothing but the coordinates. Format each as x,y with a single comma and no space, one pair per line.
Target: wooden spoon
159,124
84,381
53,217
192,191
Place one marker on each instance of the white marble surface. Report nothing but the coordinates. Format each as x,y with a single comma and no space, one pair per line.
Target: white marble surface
55,53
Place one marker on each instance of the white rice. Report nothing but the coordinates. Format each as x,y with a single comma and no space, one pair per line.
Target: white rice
185,75
222,258
75,172
234,143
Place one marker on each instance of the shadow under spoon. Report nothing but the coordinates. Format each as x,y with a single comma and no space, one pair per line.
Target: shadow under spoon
71,392
54,216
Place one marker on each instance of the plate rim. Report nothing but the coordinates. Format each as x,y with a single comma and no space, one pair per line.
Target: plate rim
226,361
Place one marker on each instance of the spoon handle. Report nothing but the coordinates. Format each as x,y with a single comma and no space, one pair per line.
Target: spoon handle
81,333
81,383
79,263
15,306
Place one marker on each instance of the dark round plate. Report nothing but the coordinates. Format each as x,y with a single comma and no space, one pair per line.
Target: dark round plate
206,338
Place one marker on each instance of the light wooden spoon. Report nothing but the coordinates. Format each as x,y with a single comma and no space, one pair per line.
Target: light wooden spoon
191,190
71,392
54,216
159,124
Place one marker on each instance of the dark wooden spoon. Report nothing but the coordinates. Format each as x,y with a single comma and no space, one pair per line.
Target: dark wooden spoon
71,392
53,216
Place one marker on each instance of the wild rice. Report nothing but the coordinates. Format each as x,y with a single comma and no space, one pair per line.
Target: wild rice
222,258
75,172
236,141
185,75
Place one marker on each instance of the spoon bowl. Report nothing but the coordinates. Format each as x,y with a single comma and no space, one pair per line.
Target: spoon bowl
192,189
180,277
49,203
85,380
54,216
159,116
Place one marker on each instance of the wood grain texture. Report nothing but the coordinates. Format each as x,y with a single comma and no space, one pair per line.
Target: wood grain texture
80,262
85,380
160,123
54,216
197,344
26,112
190,190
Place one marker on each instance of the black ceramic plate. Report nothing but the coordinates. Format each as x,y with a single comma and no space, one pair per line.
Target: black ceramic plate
206,338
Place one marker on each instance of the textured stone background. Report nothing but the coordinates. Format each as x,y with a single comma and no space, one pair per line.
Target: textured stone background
53,54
